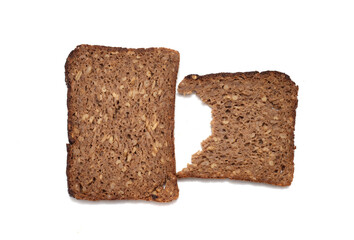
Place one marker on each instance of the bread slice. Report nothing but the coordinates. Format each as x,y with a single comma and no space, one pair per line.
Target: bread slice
252,128
121,122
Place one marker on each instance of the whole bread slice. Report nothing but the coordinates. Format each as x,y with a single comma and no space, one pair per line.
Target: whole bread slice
121,122
252,127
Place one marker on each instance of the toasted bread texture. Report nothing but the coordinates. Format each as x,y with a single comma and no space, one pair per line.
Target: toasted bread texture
253,123
121,123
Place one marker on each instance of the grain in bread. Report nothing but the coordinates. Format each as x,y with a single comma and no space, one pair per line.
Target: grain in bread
252,127
121,123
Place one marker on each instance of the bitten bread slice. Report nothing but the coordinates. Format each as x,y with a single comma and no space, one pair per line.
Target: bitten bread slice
121,122
252,128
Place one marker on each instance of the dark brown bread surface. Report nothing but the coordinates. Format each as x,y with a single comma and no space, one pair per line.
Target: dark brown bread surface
252,128
121,122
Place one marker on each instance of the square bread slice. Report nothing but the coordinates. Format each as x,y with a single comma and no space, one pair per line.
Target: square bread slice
121,122
252,128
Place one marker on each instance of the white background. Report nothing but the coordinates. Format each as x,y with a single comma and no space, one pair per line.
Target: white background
312,41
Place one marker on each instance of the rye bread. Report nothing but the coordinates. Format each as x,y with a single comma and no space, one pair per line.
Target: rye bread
121,123
252,127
